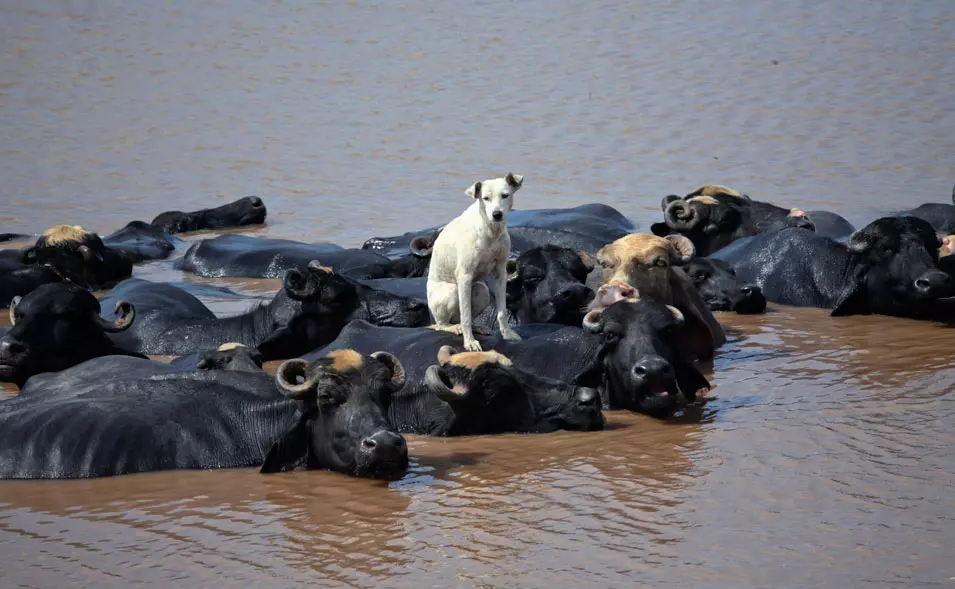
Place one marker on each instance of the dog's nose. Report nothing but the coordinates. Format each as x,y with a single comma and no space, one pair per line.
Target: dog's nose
497,215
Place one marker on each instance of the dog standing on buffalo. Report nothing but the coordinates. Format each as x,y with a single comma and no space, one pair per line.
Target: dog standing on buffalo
470,248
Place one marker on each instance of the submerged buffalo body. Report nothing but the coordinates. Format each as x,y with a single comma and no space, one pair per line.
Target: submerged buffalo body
249,210
889,267
117,415
309,311
240,255
586,228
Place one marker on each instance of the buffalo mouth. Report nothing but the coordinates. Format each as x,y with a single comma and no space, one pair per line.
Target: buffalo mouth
386,470
7,371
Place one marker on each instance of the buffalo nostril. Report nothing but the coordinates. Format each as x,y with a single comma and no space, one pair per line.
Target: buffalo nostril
746,290
369,444
923,283
9,348
640,371
399,442
666,370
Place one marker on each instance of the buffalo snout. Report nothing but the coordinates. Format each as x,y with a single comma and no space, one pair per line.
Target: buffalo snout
385,454
935,284
751,300
652,368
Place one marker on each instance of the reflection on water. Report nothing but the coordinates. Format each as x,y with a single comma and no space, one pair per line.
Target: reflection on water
823,457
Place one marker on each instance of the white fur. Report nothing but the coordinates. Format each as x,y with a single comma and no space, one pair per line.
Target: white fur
470,248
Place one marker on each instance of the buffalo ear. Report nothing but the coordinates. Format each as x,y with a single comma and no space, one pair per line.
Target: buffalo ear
290,450
691,380
587,260
852,302
28,256
660,229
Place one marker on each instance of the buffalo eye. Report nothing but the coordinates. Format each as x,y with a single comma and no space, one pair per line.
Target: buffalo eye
660,263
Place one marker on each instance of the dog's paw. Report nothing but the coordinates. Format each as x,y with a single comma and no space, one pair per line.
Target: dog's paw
472,345
511,335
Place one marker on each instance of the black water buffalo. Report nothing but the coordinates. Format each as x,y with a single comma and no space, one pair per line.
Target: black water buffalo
240,255
940,215
548,285
139,242
309,311
17,278
452,394
629,352
249,210
230,356
586,228
119,415
57,326
78,256
721,289
714,216
890,267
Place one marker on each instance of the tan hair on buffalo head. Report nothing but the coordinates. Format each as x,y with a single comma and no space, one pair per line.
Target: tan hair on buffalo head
639,251
471,360
62,234
716,190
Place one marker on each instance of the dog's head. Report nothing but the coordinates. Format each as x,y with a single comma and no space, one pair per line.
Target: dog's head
495,197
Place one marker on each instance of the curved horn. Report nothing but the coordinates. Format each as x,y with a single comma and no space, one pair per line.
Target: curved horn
89,255
126,312
422,245
436,383
444,355
13,306
681,216
680,319
286,379
592,321
393,364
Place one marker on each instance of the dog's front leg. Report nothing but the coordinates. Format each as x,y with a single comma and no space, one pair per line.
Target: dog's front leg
464,302
500,292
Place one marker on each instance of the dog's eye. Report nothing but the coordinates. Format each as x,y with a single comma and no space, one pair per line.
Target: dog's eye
503,196
487,198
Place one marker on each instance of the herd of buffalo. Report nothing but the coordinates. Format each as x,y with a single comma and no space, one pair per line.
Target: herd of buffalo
610,318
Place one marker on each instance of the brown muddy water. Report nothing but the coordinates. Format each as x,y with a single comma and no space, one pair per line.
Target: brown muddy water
824,458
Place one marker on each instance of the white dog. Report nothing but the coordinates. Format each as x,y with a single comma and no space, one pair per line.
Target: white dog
469,249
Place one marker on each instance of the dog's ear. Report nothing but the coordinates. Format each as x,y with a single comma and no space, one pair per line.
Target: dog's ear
514,180
474,191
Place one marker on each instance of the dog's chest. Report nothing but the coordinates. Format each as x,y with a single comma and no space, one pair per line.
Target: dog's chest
487,255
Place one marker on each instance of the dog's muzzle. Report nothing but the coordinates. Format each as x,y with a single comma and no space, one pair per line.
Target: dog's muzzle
497,215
